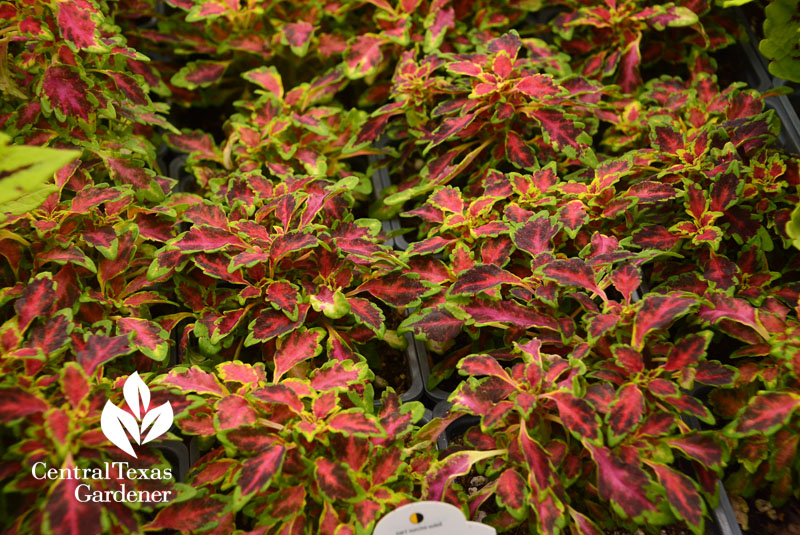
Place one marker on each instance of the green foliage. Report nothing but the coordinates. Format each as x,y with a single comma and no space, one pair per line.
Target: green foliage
25,172
596,259
781,43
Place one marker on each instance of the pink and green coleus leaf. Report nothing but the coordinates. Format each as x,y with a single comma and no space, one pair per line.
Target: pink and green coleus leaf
442,473
225,324
582,524
257,472
487,312
434,324
97,349
298,35
268,78
77,26
688,351
280,394
765,414
336,481
165,262
481,278
519,152
36,300
271,323
449,128
395,289
74,384
573,216
147,336
512,493
437,22
563,131
297,346
578,416
732,308
66,93
682,495
332,304
368,313
626,280
198,144
658,312
72,516
474,365
447,199
627,410
541,471
246,374
200,73
284,296
536,235
338,375
193,379
16,403
573,272
701,447
363,56
195,514
207,239
623,484
354,422
232,412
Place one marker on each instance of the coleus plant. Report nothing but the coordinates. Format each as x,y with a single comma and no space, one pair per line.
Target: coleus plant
360,38
75,281
611,39
281,131
565,435
294,455
761,410
284,264
70,80
51,419
497,106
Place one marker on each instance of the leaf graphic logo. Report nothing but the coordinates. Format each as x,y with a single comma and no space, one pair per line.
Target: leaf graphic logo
115,421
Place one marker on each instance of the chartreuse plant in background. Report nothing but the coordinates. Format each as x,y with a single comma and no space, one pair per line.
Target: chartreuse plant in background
25,172
793,227
781,42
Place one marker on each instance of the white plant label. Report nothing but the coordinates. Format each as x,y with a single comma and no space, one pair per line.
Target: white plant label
429,518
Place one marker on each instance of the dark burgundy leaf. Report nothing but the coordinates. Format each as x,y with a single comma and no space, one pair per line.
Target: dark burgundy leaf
627,410
573,272
436,325
481,278
682,495
658,312
535,235
257,471
624,483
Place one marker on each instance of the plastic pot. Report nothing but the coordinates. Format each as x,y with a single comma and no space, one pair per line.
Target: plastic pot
177,454
436,395
381,181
